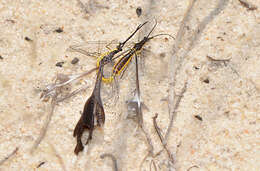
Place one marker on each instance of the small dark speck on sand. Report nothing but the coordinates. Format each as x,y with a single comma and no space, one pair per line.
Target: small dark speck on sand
1,57
59,64
39,165
59,30
28,39
206,81
75,60
198,117
162,55
139,11
195,67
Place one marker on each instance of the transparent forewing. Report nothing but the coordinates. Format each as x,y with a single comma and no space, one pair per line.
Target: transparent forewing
83,50
96,48
89,48
94,51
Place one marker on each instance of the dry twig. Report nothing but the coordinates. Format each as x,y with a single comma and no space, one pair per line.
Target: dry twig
248,5
45,125
53,91
192,167
218,60
176,106
161,138
9,156
154,165
184,43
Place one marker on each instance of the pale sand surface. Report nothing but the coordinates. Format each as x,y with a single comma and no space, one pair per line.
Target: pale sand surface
225,94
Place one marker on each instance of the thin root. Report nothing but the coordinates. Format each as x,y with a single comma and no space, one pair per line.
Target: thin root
161,138
9,156
113,158
173,113
45,126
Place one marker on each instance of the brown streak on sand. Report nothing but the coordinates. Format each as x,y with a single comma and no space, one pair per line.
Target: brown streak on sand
9,156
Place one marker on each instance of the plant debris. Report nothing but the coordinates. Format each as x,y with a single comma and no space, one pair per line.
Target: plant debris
248,5
59,64
75,60
139,11
40,164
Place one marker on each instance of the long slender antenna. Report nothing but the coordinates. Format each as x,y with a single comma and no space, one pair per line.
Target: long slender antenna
140,26
152,29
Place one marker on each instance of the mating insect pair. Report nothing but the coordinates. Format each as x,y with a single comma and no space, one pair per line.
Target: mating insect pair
93,112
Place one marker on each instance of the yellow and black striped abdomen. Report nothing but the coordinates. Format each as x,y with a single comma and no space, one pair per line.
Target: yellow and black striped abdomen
122,63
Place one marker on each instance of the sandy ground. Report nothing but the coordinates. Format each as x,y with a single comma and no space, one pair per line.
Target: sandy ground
215,53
